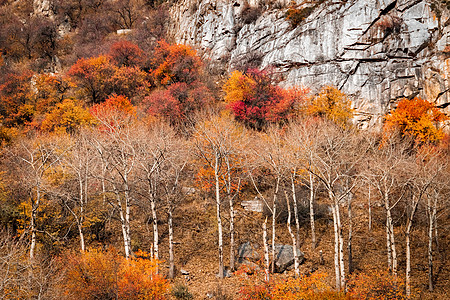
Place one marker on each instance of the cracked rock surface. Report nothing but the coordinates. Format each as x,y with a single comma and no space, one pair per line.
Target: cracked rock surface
376,51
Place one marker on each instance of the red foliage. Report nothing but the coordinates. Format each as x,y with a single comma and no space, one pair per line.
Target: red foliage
256,100
125,53
114,113
178,102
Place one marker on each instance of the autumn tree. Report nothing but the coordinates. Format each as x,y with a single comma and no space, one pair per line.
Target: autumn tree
179,102
256,100
125,53
93,76
416,118
331,104
175,63
67,117
335,165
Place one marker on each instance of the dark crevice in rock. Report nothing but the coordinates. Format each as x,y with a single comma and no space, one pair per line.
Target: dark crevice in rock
382,13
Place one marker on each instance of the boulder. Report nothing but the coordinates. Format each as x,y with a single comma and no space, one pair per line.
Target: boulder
284,257
247,251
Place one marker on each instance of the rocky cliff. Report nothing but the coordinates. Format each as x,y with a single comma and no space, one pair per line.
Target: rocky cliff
376,51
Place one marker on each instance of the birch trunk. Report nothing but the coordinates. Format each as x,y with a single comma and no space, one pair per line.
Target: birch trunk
350,235
408,247
231,234
336,250
219,219
81,219
34,207
274,217
155,226
266,252
294,198
311,211
171,254
341,246
123,225
294,240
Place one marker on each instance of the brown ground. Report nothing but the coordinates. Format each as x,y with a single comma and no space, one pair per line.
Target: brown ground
196,249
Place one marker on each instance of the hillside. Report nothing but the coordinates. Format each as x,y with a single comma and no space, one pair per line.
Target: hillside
224,150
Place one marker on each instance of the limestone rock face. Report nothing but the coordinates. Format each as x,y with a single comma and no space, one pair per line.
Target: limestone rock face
376,51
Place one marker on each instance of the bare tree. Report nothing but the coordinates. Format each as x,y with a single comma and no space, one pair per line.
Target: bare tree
335,164
386,173
217,142
35,157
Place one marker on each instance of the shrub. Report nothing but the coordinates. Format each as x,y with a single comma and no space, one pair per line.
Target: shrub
376,285
389,24
250,14
180,291
107,275
295,16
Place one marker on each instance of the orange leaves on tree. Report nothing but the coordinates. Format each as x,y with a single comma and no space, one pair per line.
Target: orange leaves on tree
331,104
94,75
67,117
175,63
256,100
417,118
114,113
107,275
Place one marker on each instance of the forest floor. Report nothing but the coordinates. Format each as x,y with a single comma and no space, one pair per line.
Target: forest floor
196,249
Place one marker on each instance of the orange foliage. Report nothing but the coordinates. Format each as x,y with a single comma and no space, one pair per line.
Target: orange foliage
115,112
306,288
94,75
16,95
107,275
50,90
376,285
417,118
175,63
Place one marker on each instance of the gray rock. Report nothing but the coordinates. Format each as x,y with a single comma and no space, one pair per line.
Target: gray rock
285,257
247,251
376,51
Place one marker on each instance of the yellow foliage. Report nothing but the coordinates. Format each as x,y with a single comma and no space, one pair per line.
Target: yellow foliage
67,117
331,104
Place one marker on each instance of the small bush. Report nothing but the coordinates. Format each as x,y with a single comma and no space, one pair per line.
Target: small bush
295,16
250,14
180,291
376,285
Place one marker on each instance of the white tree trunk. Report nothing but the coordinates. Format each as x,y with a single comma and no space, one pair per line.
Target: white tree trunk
408,266
171,255
231,233
34,208
336,249
341,246
126,244
274,219
266,252
294,240
219,219
350,235
155,226
370,212
311,211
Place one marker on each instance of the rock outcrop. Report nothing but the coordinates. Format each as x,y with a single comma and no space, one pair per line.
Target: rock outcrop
376,51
